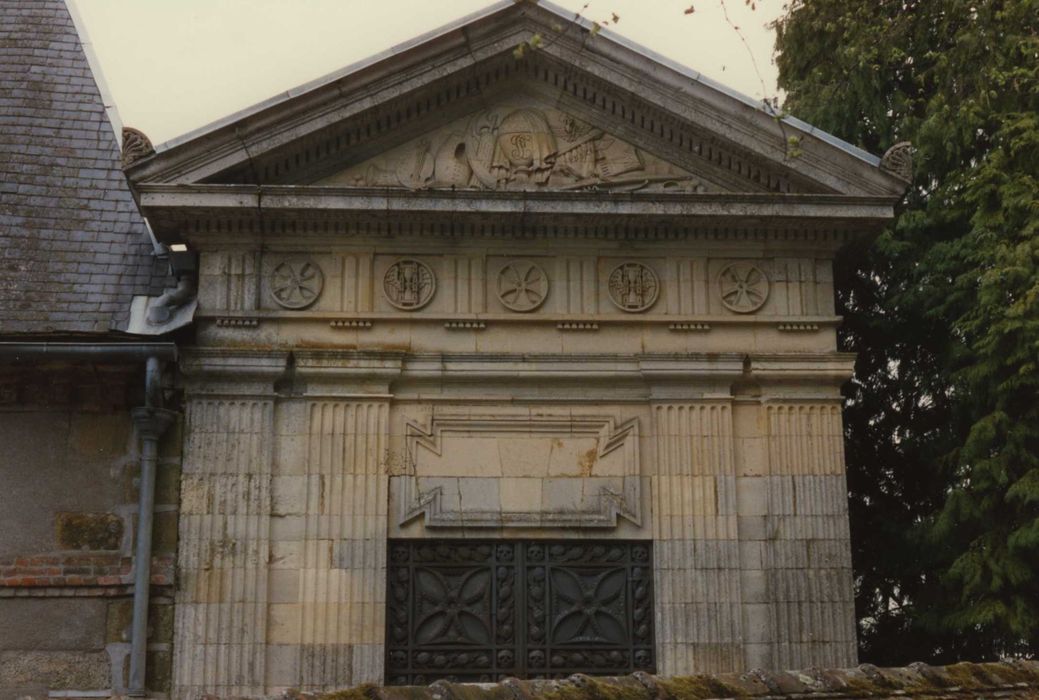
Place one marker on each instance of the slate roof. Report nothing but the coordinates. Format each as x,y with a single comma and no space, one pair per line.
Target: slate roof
73,247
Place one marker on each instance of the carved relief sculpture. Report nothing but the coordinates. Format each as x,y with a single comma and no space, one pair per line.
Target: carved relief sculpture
296,283
633,287
522,286
409,284
519,148
743,287
136,146
898,160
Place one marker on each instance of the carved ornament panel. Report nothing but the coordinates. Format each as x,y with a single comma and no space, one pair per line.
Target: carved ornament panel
519,146
633,286
522,285
409,284
743,287
296,283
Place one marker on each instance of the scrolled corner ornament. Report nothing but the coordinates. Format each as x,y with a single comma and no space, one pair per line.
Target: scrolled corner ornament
898,160
633,287
522,286
136,146
296,283
743,287
409,284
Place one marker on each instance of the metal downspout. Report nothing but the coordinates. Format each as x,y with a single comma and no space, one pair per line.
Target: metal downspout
151,421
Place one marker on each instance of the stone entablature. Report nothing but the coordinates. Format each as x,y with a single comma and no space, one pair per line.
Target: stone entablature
618,283
667,292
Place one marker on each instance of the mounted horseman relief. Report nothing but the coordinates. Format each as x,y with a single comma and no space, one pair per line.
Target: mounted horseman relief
519,148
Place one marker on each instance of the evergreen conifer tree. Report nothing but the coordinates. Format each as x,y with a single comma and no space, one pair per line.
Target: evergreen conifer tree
943,311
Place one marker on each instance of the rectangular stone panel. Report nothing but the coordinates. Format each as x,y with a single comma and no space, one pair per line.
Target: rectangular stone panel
577,471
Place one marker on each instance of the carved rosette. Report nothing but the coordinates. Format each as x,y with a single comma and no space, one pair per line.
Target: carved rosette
409,284
296,283
743,287
633,287
522,286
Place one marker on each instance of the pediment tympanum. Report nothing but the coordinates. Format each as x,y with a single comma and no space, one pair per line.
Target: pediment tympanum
518,146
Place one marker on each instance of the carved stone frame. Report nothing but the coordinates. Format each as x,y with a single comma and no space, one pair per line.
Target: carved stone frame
611,504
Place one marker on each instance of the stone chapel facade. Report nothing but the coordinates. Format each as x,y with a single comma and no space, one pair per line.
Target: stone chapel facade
510,366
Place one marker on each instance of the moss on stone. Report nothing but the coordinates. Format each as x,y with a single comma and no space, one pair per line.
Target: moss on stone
916,681
89,531
699,687
117,623
366,691
972,675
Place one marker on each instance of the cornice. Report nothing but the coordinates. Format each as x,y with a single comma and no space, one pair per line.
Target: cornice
176,210
312,373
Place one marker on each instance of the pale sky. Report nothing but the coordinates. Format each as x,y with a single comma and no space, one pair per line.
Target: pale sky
175,65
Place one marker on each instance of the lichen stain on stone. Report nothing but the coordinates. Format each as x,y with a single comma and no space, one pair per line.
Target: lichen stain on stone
89,531
1017,679
699,686
587,460
366,691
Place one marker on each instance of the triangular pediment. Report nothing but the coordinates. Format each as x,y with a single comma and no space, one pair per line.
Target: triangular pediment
519,145
459,109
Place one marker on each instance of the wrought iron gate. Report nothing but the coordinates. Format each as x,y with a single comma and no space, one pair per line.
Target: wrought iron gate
481,610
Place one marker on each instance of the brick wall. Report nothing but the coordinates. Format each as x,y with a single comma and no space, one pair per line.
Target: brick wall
106,573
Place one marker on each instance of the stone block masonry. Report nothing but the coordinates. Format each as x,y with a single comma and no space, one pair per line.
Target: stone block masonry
68,510
578,298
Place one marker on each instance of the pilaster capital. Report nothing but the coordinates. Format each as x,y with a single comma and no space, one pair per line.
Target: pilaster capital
236,371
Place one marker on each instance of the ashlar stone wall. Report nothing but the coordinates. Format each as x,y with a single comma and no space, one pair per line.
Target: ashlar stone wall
321,423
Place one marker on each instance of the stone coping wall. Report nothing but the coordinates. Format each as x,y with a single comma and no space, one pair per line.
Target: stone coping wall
1014,679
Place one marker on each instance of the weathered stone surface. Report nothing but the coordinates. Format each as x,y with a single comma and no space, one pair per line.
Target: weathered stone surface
1017,679
518,146
58,670
52,624
88,531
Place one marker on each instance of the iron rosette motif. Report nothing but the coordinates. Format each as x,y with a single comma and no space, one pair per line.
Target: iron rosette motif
454,605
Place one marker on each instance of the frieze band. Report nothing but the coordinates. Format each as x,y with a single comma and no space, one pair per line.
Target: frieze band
521,285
